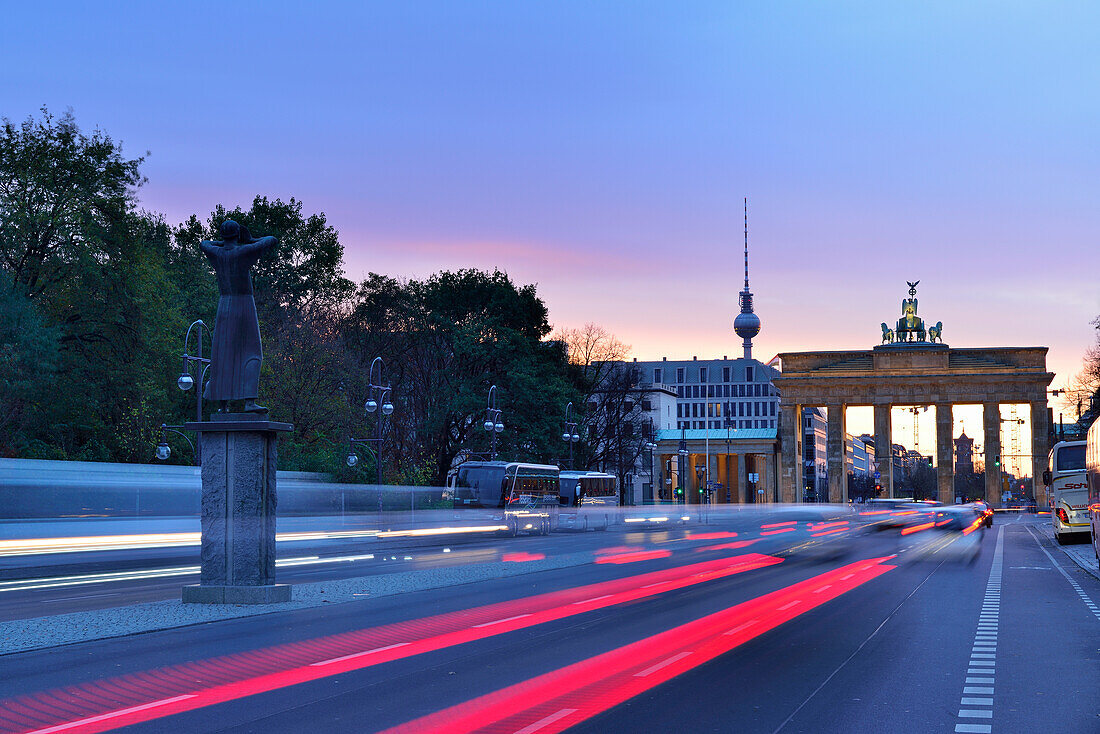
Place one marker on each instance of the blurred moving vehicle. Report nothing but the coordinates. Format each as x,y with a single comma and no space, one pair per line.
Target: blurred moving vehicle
1067,486
895,514
986,510
1092,479
516,497
587,499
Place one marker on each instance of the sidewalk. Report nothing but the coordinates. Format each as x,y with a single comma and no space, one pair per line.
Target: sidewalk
1080,553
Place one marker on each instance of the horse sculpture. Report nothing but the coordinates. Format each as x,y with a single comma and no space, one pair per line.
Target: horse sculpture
935,333
887,334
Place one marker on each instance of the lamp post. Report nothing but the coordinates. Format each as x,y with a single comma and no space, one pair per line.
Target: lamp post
729,490
650,446
493,425
570,435
377,396
682,451
163,450
191,365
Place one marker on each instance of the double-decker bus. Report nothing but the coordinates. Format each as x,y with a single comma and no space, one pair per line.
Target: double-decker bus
588,499
1092,477
518,497
1067,486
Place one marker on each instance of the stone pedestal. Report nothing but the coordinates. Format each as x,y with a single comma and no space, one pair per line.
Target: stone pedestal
238,511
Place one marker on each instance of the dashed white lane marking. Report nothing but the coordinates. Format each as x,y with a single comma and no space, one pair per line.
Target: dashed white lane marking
358,654
112,714
662,664
502,621
823,588
740,627
785,607
650,586
595,598
542,723
1072,581
983,653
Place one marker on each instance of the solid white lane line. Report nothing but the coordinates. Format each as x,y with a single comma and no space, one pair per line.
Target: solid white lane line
358,654
112,714
654,668
542,723
595,598
502,621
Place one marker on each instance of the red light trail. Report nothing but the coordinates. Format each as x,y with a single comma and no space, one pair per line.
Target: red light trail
557,700
131,699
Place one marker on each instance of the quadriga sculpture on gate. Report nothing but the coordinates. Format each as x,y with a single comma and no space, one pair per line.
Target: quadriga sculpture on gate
910,326
887,334
935,333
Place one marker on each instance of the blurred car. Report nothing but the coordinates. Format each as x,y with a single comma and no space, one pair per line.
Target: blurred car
986,510
961,518
895,514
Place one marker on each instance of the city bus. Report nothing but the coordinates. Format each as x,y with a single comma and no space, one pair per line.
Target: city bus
588,499
511,495
1092,477
1067,488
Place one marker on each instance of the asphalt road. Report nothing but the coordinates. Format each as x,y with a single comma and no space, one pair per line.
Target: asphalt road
894,637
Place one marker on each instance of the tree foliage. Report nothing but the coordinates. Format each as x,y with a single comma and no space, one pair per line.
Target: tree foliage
96,297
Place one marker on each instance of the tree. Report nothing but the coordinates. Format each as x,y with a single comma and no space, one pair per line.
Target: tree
616,429
1082,396
445,341
28,367
62,193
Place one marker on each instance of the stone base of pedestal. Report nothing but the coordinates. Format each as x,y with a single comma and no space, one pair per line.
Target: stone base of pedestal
199,594
239,499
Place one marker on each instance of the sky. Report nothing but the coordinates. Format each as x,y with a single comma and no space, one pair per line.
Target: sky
602,150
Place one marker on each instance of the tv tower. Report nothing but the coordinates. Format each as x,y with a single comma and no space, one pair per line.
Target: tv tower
747,323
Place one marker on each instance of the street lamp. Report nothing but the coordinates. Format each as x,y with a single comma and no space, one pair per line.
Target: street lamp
194,364
163,450
492,422
377,394
682,450
570,435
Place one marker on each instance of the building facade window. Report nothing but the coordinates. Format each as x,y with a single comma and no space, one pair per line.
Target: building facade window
702,374
748,374
679,374
725,374
657,375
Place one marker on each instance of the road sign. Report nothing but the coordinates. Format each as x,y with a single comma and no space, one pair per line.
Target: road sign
878,475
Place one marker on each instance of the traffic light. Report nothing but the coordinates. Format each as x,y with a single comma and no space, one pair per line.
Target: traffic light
997,460
929,461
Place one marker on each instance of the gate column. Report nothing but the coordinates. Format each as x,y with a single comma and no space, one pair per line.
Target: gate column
991,419
790,439
835,449
884,459
1040,447
945,455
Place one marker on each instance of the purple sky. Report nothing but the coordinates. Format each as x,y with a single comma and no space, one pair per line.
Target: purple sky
602,150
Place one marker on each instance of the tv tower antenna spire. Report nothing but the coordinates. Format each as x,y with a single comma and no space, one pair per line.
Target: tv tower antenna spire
747,323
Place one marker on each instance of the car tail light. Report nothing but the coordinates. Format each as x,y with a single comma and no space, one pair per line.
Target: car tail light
1062,515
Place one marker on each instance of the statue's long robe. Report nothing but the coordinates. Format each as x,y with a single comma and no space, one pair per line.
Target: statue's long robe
236,357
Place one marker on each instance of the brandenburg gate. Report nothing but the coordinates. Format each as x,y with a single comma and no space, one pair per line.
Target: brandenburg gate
912,367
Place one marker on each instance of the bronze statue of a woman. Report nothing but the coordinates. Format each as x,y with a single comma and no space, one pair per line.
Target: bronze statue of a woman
236,356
